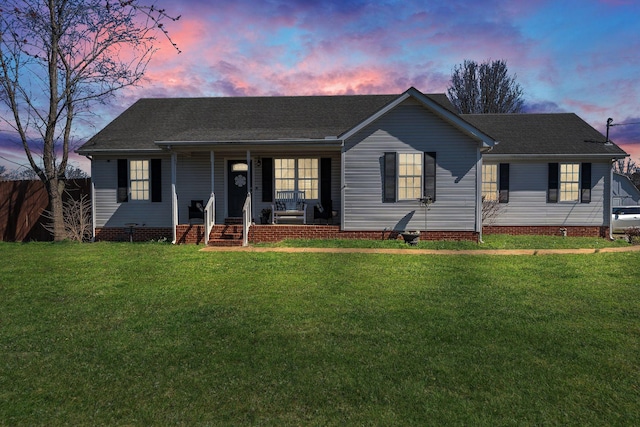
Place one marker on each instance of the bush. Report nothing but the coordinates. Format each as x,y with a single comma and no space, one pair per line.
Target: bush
632,234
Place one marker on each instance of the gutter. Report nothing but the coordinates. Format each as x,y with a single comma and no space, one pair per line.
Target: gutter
538,156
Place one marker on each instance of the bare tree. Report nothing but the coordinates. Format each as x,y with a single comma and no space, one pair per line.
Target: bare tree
484,88
78,225
57,59
74,172
625,166
24,173
491,209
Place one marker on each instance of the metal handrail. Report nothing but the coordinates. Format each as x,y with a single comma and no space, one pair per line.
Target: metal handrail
209,217
246,220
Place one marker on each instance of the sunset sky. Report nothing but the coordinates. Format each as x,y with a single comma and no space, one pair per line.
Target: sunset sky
579,56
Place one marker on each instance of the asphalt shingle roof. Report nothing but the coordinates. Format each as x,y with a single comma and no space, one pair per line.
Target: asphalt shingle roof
237,119
226,119
562,133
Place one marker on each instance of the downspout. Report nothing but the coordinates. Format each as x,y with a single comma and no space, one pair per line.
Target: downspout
610,209
174,196
93,203
249,182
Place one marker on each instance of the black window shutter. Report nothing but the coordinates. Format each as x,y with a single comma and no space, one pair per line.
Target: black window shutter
585,183
267,179
325,180
122,194
503,190
389,184
156,180
430,175
552,191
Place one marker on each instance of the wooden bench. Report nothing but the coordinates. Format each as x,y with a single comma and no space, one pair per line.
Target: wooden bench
289,205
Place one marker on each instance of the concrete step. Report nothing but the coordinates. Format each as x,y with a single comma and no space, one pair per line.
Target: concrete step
225,242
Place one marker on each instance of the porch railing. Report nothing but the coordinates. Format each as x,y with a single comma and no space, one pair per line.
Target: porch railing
209,217
246,220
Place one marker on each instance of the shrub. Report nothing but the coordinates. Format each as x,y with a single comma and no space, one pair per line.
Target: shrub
632,234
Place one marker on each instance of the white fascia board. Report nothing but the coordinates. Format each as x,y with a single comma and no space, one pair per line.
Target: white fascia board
90,152
556,157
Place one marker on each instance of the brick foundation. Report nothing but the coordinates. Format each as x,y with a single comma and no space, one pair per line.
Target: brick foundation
139,234
276,233
572,231
194,234
189,233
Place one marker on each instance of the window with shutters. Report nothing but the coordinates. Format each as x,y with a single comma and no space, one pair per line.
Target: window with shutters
490,182
569,182
139,179
409,176
297,174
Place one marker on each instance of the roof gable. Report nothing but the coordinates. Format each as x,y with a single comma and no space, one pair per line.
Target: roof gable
434,103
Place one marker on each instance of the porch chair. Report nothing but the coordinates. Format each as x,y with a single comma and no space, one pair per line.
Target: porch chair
196,210
323,210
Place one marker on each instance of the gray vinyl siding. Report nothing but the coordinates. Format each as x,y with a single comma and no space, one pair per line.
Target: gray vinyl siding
109,213
193,182
528,205
624,192
410,128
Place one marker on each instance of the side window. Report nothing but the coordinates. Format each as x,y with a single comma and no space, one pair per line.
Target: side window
139,183
495,182
569,182
489,181
139,180
408,176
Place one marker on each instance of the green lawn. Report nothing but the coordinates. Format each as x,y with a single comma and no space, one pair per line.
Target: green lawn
155,334
490,241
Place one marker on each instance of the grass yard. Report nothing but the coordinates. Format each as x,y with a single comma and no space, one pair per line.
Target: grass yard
490,241
155,334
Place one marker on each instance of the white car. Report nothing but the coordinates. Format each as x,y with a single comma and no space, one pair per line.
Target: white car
623,217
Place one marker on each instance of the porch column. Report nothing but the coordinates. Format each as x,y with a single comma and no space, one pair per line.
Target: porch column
249,184
212,159
174,196
479,195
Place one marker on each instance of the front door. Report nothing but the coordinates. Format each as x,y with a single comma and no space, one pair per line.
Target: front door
236,186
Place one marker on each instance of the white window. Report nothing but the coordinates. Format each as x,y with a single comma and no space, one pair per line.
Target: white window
139,182
569,182
409,176
297,174
490,182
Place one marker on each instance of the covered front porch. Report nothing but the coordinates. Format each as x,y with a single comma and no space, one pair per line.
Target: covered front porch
221,193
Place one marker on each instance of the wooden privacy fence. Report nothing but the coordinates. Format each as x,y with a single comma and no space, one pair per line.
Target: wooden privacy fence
23,205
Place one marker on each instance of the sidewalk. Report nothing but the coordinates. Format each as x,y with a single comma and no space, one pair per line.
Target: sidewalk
408,251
